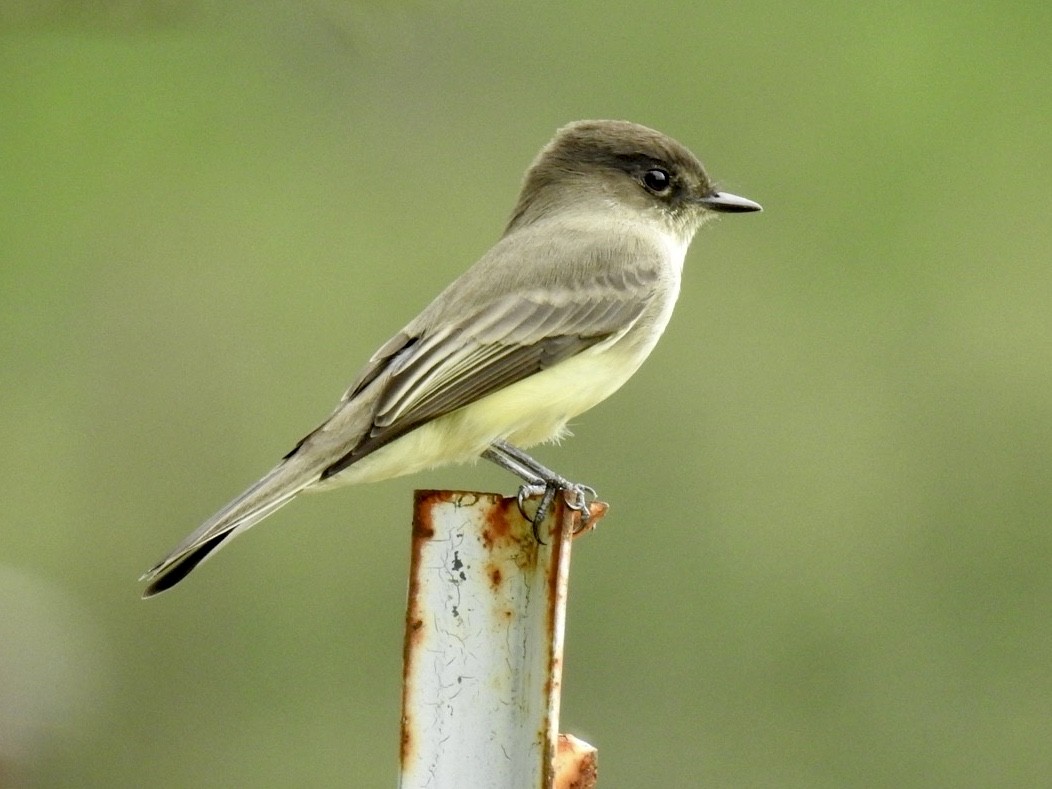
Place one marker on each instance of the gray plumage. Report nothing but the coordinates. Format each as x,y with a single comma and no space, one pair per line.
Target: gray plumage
553,319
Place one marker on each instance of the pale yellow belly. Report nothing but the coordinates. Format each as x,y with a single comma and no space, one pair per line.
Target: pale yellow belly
529,412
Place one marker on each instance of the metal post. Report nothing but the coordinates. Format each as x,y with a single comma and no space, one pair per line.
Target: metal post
483,645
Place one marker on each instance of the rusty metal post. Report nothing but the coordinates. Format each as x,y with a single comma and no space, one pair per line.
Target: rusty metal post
483,643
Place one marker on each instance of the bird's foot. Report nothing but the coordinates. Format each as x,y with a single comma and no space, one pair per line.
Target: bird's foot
578,498
541,481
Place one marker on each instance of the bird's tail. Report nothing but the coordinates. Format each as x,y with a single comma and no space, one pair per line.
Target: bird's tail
265,497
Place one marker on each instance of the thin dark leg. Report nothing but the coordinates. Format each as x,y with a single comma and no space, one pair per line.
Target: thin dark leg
526,471
539,479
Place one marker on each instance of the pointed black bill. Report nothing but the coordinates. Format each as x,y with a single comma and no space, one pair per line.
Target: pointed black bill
727,203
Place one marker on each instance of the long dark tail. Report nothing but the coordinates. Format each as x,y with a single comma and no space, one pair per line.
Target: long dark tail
268,495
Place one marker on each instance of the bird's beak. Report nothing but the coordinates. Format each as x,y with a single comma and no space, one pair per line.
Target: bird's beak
728,204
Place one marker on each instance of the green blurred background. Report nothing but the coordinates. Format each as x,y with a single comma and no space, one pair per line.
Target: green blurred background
828,561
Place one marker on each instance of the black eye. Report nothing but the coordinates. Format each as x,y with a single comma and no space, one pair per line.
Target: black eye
657,180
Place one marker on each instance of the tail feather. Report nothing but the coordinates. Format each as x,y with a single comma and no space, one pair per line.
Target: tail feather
181,566
272,492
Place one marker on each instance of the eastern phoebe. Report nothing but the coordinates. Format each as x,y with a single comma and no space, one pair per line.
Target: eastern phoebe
552,320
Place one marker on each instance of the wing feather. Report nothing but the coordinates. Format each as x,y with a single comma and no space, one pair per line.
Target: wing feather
434,367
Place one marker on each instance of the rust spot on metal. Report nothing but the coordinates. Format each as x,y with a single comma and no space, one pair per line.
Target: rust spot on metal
576,764
406,748
563,519
464,499
596,509
423,530
424,502
496,577
556,671
498,526
505,527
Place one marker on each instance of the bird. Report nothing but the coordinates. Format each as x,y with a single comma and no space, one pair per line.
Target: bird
553,319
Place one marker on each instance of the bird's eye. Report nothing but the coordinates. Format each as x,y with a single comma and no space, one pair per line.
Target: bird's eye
657,180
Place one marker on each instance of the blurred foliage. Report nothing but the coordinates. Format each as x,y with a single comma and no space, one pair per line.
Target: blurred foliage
827,560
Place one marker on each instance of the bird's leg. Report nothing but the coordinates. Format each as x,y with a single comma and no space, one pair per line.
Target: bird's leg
539,479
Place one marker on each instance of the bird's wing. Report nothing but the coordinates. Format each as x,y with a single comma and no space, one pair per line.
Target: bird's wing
431,372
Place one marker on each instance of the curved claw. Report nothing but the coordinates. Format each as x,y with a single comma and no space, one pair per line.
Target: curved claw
583,496
525,491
